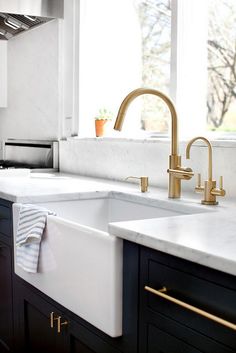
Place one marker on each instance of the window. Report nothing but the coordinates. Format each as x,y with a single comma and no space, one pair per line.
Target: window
123,46
155,27
221,100
183,48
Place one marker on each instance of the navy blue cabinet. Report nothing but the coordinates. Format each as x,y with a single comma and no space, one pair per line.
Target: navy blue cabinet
164,326
6,318
6,307
37,330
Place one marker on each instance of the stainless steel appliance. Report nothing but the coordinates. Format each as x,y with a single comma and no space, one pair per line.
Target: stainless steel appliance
39,156
17,16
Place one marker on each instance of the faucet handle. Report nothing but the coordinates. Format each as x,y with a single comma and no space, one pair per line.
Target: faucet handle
199,187
220,191
199,181
221,182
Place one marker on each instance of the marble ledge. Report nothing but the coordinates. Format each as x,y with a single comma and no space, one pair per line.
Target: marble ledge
208,239
165,139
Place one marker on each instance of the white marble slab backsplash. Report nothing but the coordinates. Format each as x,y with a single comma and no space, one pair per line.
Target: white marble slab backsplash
33,85
118,158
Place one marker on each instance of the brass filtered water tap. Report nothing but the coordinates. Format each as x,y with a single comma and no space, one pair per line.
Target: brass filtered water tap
176,172
209,188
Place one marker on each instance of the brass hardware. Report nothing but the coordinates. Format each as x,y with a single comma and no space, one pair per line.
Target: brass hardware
198,187
183,173
219,320
59,324
176,173
209,187
52,319
220,191
143,182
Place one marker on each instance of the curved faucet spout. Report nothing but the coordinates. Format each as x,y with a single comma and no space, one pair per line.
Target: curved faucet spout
140,91
209,153
176,172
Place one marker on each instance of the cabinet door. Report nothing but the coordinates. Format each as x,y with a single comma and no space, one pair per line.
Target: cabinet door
5,299
82,340
161,342
32,324
161,335
174,324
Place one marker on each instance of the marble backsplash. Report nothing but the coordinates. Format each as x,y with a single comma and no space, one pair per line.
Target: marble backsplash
116,158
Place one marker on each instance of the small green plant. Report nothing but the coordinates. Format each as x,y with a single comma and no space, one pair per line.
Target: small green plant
104,114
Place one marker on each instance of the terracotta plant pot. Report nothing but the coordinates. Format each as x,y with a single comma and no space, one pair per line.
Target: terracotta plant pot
100,127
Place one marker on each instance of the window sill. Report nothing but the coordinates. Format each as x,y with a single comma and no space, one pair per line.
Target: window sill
218,143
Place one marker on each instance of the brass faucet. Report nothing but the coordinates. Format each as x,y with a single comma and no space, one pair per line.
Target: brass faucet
176,172
209,188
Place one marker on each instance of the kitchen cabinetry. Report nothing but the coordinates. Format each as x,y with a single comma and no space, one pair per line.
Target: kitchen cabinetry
44,326
167,327
5,298
6,308
32,324
3,73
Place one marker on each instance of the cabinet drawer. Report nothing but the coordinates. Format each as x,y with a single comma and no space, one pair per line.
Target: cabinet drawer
191,289
171,337
5,220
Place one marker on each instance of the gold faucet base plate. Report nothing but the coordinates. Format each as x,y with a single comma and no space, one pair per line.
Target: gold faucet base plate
203,202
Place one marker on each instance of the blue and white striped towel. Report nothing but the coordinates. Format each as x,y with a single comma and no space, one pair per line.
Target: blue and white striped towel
31,224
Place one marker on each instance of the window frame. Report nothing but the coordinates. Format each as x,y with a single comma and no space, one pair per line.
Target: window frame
178,41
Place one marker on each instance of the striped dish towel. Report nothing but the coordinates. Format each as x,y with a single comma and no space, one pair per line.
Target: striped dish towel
31,224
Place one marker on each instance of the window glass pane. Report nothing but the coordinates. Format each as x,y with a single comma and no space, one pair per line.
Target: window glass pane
155,25
221,100
124,45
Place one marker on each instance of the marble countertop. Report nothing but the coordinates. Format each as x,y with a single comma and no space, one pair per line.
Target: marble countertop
207,238
45,187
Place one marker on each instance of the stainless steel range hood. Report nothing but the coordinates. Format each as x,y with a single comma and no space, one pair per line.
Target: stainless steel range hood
17,16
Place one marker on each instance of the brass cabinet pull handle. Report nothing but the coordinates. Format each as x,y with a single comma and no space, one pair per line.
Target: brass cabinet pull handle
59,324
52,319
219,320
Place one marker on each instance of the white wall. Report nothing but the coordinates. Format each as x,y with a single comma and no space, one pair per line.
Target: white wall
33,85
3,73
116,159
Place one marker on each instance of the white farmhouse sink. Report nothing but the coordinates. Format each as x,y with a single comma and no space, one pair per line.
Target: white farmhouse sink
98,212
80,263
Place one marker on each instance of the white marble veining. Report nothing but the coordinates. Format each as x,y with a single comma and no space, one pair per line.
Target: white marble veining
49,187
94,157
207,237
33,85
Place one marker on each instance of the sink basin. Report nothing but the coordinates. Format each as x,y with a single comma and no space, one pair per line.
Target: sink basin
80,264
99,212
